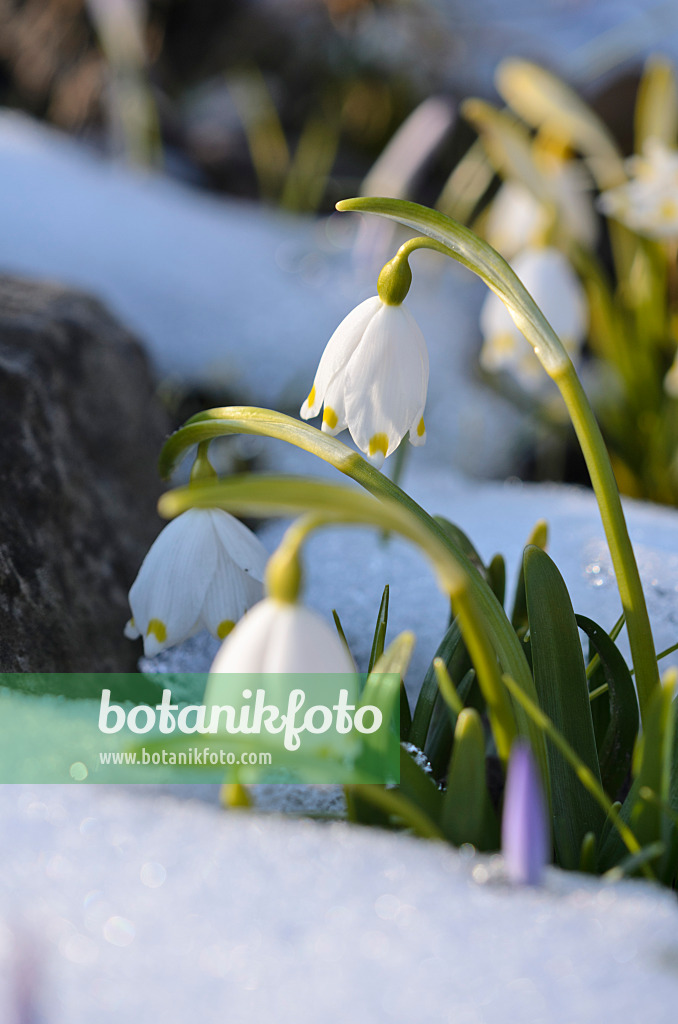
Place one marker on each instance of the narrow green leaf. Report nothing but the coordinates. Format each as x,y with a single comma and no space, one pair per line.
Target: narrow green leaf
466,802
653,765
634,862
560,679
616,748
496,576
419,787
461,541
340,630
538,538
447,688
587,856
394,661
379,630
441,734
449,648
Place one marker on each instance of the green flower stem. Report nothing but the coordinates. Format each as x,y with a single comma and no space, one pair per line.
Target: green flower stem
614,523
283,577
256,495
458,242
267,423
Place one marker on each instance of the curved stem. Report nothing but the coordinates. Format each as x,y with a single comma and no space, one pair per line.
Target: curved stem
267,423
460,244
353,508
611,512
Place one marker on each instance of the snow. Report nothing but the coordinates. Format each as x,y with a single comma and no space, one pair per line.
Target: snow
231,294
147,907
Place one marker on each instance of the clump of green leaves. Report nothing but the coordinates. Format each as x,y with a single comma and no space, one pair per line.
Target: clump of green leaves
612,793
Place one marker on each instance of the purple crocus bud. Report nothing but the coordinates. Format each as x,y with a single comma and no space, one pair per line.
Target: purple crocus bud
524,828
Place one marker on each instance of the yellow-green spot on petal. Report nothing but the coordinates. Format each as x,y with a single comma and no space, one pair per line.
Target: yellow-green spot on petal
378,443
669,209
158,629
421,429
224,628
330,417
311,398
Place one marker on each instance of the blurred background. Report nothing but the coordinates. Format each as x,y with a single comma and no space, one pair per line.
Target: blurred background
293,101
181,158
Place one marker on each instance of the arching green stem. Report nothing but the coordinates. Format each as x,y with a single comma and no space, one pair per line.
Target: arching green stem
460,244
332,504
267,423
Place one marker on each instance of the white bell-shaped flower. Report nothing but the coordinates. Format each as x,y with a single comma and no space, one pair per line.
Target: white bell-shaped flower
373,378
203,571
648,201
282,637
550,280
516,219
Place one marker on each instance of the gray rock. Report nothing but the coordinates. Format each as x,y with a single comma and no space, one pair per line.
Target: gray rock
79,436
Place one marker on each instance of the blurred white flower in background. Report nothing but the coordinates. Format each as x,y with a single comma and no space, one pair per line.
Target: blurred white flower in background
648,202
517,219
202,572
373,378
554,286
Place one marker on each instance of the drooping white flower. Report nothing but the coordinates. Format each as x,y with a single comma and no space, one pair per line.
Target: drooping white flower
372,378
648,201
282,637
550,280
517,219
203,571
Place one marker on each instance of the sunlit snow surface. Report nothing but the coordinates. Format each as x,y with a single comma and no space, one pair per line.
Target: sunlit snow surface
138,907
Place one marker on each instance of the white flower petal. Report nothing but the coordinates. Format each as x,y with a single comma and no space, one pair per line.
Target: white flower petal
204,569
417,435
131,631
301,641
228,597
168,592
334,413
648,202
243,650
515,219
338,351
242,546
386,381
278,637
